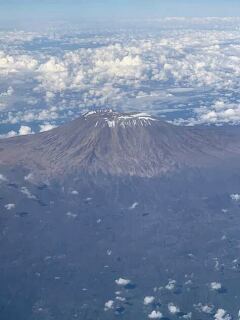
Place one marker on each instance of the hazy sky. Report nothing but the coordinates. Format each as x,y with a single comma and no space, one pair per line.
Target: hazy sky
72,9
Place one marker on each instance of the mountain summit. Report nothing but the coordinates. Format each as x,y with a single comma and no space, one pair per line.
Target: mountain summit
119,144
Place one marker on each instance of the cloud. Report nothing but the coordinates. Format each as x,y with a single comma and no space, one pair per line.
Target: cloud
171,284
108,305
215,286
122,299
28,177
24,130
124,72
221,111
75,192
46,127
2,178
155,315
122,282
9,92
235,196
133,206
173,309
27,193
148,300
10,64
10,206
206,308
221,314
10,134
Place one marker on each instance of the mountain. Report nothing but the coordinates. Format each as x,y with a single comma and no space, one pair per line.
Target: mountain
120,216
119,144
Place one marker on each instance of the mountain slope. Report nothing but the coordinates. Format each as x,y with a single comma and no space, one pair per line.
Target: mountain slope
95,246
119,144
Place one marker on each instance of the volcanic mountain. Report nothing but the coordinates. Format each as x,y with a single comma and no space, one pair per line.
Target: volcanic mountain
119,144
120,216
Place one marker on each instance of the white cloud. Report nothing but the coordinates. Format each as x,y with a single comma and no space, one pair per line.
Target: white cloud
16,63
24,130
235,196
187,316
215,286
8,93
221,314
133,206
122,282
126,72
219,112
10,134
71,215
206,308
2,178
173,309
9,206
148,300
28,177
27,193
122,299
171,284
155,315
46,127
108,305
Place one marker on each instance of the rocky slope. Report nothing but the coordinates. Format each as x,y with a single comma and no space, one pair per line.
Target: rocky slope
111,143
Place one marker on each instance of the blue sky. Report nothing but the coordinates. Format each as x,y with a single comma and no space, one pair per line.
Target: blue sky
72,9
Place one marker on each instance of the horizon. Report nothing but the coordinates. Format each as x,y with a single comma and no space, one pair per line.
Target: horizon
29,12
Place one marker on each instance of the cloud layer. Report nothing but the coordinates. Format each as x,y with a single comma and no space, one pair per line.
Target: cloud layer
194,71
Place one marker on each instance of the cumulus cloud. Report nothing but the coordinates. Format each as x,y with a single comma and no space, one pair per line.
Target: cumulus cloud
205,308
108,305
135,71
173,309
221,314
220,112
46,127
8,93
10,134
9,206
155,315
148,300
122,282
24,130
171,284
10,64
122,299
235,196
216,286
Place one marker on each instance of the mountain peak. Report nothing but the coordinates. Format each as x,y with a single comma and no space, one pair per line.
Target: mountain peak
118,144
113,118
